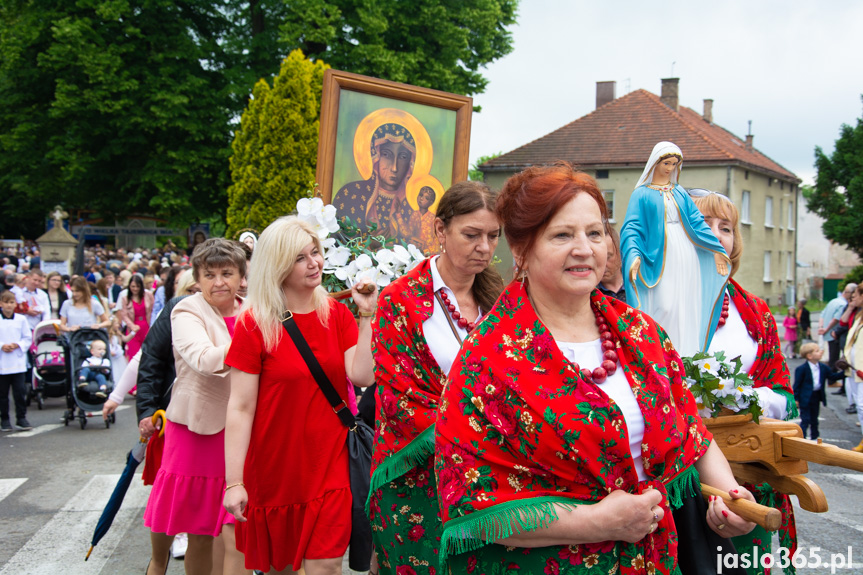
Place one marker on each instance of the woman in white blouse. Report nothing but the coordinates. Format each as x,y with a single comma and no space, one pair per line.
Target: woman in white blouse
421,322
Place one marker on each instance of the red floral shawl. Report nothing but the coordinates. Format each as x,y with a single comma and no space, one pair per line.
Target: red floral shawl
769,369
408,377
519,430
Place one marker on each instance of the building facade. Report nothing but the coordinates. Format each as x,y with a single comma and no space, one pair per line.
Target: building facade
613,142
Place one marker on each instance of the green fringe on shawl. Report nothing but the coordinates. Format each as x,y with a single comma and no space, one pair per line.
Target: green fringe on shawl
513,517
408,457
686,484
790,405
499,522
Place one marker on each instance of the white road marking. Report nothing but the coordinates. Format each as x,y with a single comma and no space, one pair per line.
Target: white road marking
36,430
60,546
7,486
97,418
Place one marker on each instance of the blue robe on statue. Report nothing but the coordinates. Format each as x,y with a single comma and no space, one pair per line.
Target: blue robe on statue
645,234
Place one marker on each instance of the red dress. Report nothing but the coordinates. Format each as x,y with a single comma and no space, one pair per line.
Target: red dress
296,471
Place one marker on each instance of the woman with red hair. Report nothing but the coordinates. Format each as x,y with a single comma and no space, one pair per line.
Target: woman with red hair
565,434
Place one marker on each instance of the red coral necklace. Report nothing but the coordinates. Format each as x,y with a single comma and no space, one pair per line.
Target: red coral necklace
462,322
609,362
723,317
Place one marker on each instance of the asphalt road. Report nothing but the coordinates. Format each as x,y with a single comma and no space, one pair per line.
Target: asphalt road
55,481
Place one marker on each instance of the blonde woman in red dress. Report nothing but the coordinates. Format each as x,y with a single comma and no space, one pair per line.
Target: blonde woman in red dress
285,450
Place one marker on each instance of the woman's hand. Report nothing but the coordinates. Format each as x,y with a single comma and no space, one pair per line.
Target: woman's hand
108,408
725,522
721,264
366,303
235,502
633,270
627,517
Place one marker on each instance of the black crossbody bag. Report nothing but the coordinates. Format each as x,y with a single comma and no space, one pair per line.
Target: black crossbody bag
360,438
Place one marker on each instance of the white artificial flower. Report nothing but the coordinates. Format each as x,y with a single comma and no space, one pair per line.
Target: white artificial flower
336,258
726,387
708,364
322,217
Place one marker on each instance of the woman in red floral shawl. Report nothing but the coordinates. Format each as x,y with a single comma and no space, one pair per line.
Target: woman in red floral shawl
748,331
421,321
565,434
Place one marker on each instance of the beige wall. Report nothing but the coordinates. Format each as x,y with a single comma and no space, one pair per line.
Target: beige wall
732,181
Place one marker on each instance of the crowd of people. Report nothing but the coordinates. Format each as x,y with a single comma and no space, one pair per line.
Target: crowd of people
540,425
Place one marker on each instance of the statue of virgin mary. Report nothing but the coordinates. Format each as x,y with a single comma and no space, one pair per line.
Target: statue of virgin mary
675,268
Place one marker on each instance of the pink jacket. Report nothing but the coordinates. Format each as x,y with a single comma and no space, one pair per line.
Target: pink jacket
199,399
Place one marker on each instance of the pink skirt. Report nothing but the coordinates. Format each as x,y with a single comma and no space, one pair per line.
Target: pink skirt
189,487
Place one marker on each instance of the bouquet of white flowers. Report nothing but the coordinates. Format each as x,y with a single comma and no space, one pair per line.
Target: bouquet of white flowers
350,256
717,384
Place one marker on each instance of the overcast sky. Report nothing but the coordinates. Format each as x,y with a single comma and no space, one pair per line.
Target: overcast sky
794,68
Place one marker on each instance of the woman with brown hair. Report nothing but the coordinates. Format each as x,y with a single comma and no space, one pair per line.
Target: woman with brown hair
82,310
135,306
57,293
187,492
565,435
421,322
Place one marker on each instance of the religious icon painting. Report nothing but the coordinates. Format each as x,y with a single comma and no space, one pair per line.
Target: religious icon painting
388,151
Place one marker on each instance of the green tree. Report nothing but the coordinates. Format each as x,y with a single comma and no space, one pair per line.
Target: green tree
439,44
474,173
838,192
119,106
276,147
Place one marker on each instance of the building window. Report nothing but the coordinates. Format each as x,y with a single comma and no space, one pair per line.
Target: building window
744,207
768,212
781,205
781,185
789,268
790,215
767,267
745,174
769,182
609,201
601,174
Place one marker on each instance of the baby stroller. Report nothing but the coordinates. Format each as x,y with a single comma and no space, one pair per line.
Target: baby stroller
48,357
82,404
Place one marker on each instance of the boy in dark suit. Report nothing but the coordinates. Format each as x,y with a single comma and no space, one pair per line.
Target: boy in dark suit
810,381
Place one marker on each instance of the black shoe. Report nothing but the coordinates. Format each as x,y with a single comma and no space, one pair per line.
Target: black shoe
6,425
840,392
852,409
23,425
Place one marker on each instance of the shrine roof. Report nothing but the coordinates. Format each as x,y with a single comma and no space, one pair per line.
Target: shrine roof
622,133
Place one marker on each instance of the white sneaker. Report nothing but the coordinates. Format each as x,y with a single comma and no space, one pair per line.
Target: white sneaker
179,546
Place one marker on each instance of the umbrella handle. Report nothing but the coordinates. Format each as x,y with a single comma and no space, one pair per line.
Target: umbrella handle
160,415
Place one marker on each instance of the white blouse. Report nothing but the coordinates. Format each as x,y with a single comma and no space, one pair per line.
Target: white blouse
734,340
589,356
441,340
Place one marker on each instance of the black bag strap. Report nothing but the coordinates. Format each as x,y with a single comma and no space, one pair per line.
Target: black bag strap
340,408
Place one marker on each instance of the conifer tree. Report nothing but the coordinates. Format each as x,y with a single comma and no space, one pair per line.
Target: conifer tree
275,149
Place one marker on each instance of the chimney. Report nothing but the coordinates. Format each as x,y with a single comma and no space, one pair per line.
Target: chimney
670,90
708,110
748,145
605,92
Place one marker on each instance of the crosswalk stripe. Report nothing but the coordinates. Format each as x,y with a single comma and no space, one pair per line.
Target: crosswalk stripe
67,535
39,429
36,430
7,486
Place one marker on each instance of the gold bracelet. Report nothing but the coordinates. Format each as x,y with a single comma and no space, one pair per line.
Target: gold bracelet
367,314
235,485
